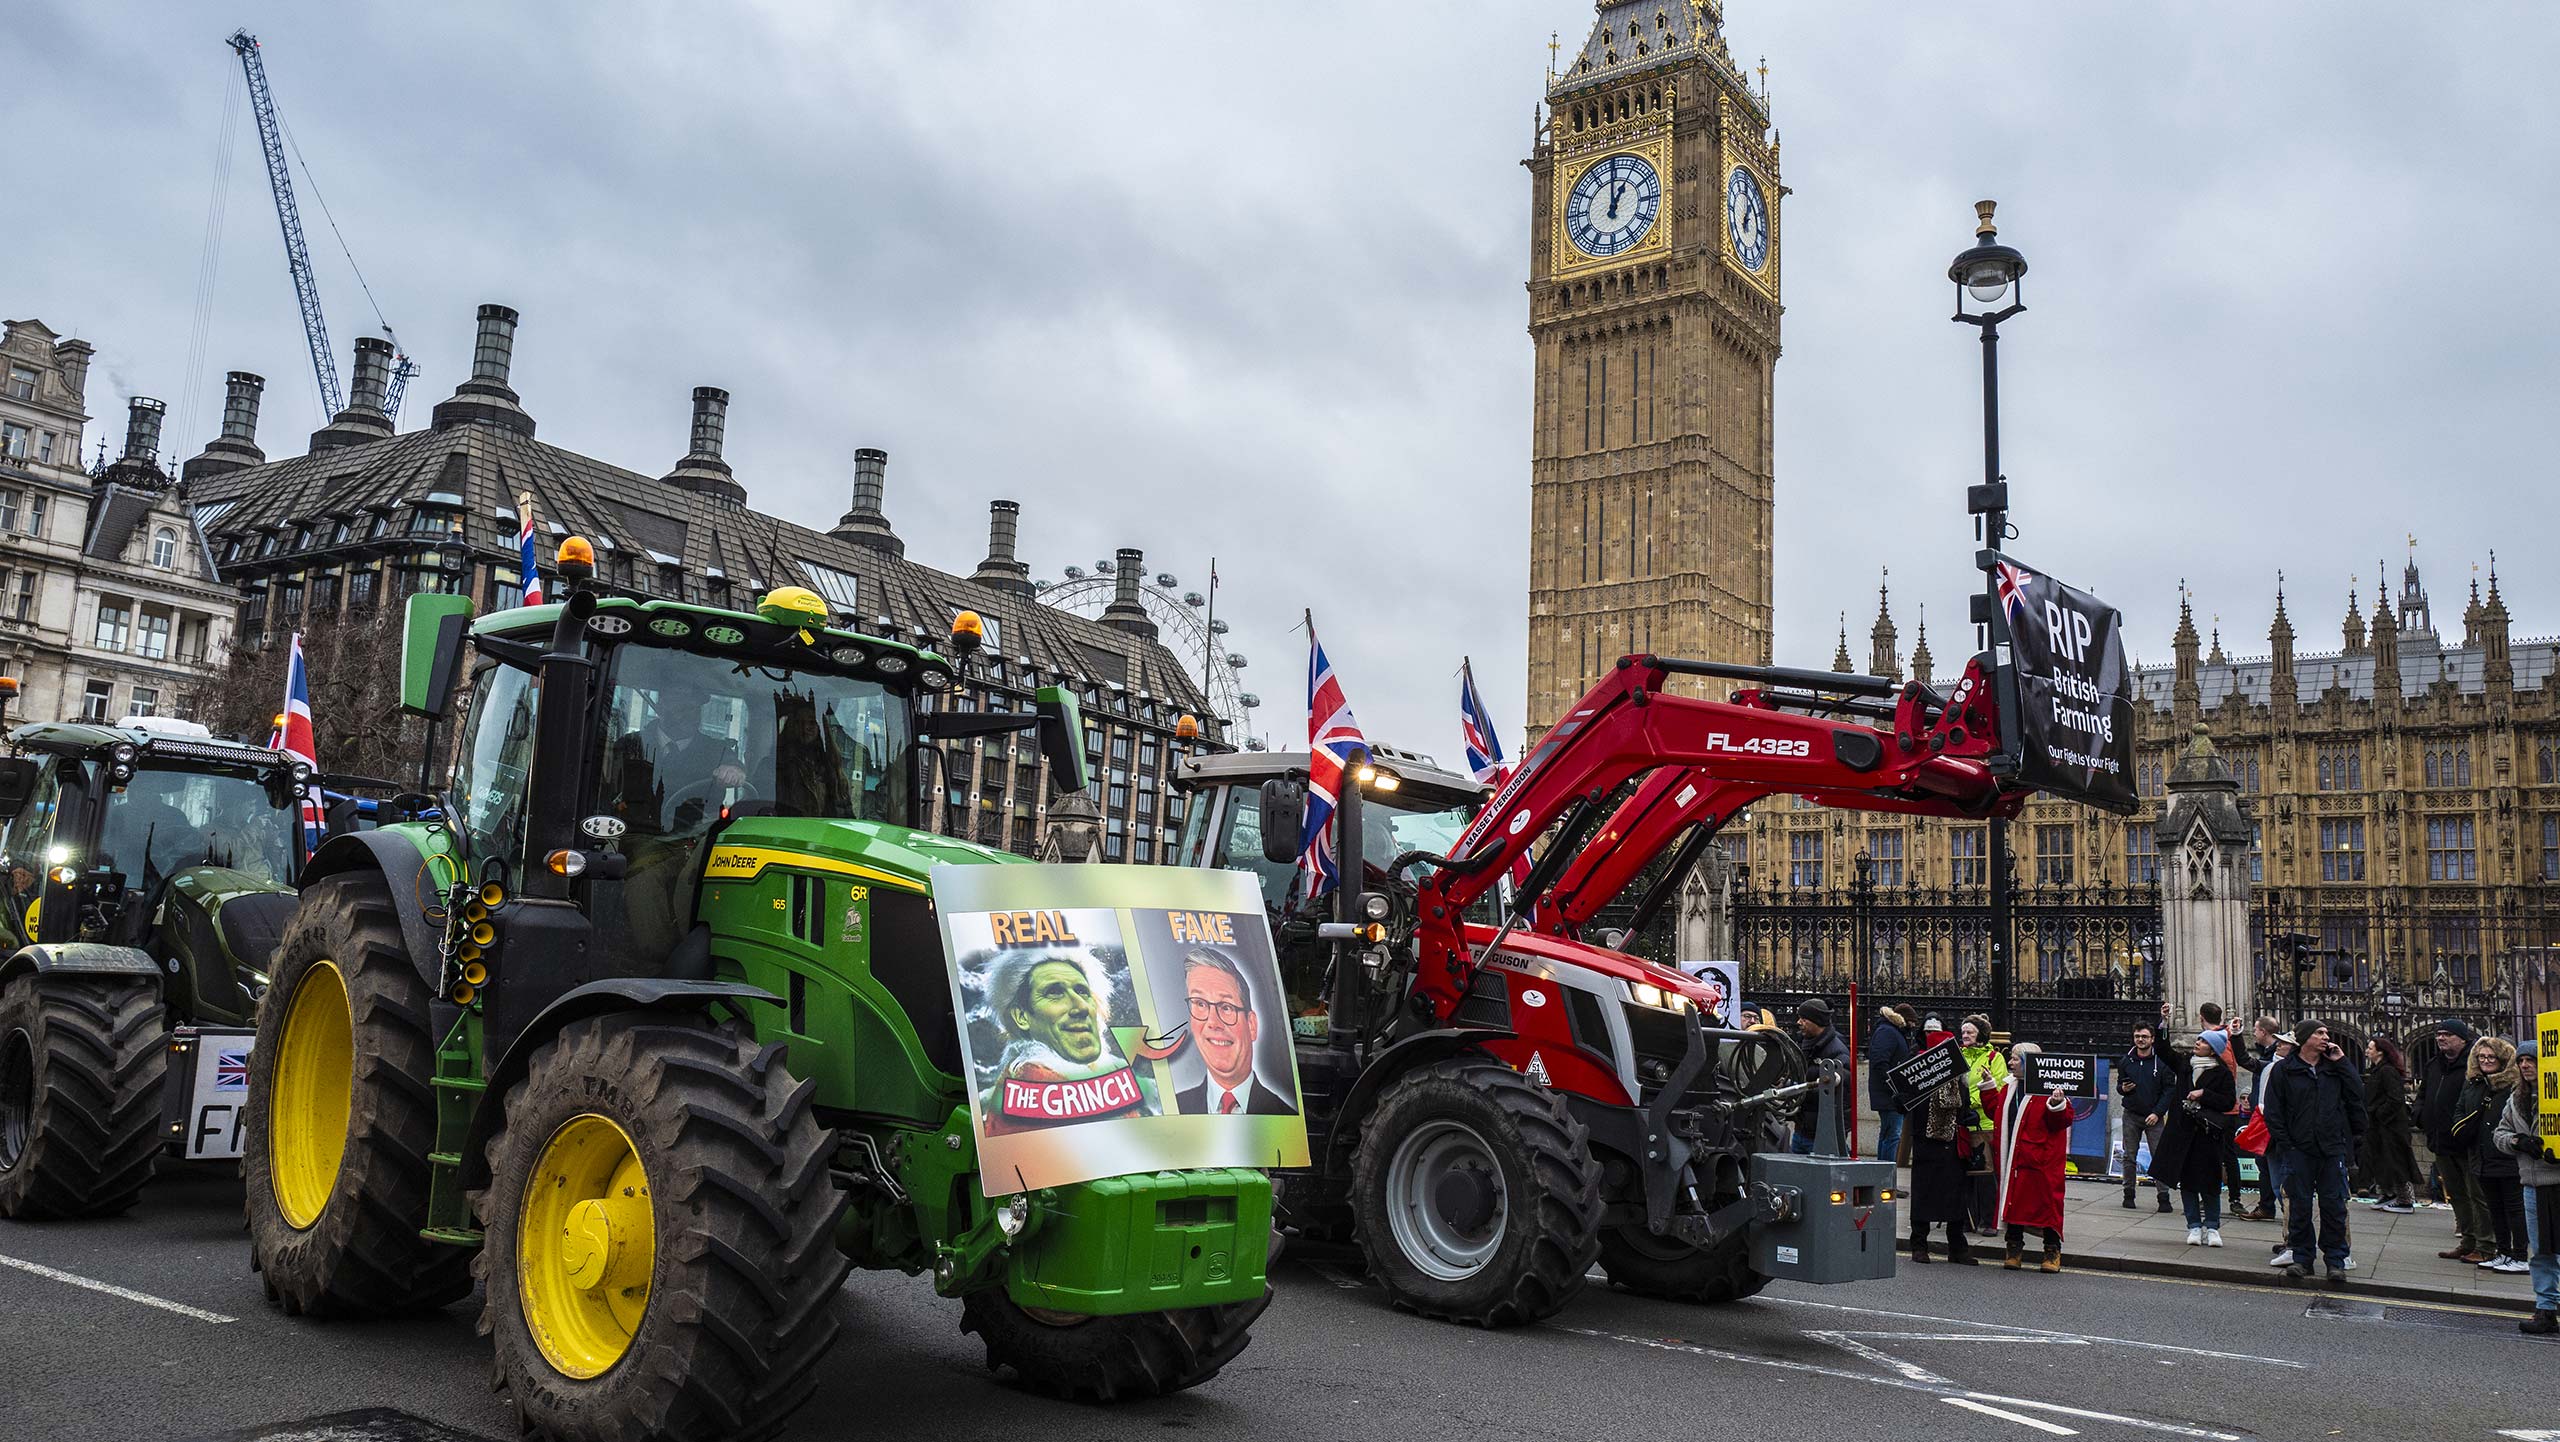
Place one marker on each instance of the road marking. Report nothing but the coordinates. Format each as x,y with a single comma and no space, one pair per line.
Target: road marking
1843,1374
2529,1434
112,1290
2022,1420
1337,1276
2004,1327
1912,1370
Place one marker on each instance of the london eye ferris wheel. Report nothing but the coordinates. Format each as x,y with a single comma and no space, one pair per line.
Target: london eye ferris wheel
1186,623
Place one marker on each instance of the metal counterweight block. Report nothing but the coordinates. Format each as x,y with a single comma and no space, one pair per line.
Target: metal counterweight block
1822,1219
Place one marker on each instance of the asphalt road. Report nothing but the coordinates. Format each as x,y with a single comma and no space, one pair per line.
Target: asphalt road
188,1349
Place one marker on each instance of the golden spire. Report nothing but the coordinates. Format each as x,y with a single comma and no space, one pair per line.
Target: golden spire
1553,45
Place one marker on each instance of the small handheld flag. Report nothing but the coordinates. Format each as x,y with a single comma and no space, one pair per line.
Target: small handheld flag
525,566
1484,749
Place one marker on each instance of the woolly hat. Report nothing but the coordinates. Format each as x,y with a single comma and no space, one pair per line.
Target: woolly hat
2303,1029
1814,1009
2220,1043
2457,1027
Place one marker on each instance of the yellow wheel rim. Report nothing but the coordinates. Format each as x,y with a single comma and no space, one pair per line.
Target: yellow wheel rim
308,1095
586,1244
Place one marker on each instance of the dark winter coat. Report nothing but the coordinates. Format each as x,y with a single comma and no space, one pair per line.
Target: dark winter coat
1886,1049
2389,1160
2477,1125
1820,1049
1941,1153
2192,1152
2440,1082
2315,1110
2158,1081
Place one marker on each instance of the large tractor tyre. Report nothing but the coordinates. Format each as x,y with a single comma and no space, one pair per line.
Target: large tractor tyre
82,1060
1108,1359
1478,1196
1649,1266
660,1235
342,1116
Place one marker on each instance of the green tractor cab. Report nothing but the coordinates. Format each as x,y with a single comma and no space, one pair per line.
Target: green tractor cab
651,1027
148,872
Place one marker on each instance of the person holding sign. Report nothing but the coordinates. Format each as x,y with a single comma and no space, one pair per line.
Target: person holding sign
2518,1136
1941,1156
2035,1143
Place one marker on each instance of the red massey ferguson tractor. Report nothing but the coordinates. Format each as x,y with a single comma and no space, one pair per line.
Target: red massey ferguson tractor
1494,1103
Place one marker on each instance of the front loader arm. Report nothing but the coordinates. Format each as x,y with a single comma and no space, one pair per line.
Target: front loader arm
1936,760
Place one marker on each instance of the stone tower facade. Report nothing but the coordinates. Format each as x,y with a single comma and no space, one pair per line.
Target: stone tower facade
1653,307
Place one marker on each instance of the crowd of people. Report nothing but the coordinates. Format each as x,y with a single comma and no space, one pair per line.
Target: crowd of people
2303,1117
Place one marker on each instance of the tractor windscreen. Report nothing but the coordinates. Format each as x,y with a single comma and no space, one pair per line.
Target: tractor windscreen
163,822
686,734
1387,827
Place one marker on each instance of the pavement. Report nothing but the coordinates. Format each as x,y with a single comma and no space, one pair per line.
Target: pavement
179,1346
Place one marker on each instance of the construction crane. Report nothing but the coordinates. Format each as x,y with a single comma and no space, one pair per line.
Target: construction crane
297,254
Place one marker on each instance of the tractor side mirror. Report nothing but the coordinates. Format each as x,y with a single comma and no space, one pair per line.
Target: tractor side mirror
431,640
17,783
1062,739
1284,814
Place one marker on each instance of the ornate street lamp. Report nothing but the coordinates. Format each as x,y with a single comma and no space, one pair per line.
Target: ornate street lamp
1991,276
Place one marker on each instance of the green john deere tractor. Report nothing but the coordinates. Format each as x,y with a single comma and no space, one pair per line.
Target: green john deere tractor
651,1028
147,870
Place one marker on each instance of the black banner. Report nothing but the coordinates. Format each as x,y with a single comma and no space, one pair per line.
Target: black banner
1915,1077
2069,709
2073,1076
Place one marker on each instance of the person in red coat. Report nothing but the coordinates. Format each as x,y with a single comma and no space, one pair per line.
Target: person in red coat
2035,1142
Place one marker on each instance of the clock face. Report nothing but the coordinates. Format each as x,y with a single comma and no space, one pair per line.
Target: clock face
1746,218
1612,206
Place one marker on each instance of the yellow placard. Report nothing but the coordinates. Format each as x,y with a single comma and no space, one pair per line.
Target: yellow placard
2547,1096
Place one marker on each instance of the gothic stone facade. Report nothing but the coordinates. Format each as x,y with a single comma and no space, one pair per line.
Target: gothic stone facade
2404,793
1653,308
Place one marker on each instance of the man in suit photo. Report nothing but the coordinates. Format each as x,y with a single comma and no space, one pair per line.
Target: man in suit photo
1224,1029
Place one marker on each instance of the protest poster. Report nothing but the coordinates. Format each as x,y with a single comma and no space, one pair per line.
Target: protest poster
1117,1019
1913,1078
2074,1076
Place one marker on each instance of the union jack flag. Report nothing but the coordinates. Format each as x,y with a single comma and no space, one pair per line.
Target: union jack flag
231,1071
1484,749
293,737
2012,579
1333,742
525,566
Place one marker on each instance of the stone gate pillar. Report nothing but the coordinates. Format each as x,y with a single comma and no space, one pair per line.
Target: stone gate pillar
2204,887
1705,931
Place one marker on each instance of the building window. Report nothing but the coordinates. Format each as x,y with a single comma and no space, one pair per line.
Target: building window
2551,848
1804,859
13,441
2053,856
2141,855
2450,856
2342,850
22,601
191,640
1965,860
2257,853
152,638
2341,768
35,516
2244,769
2546,761
115,626
360,586
9,510
1885,849
45,441
164,548
146,702
22,384
97,700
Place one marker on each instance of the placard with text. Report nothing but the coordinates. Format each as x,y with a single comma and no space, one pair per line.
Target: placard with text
2071,725
1117,1019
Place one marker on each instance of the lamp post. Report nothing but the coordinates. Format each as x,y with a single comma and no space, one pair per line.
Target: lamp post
1992,276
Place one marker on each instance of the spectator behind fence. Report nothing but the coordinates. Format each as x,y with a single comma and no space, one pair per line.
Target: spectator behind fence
2518,1137
2314,1105
2390,1162
2035,1144
1941,1151
1985,1073
1888,1047
2441,1077
2197,1136
2147,1083
2484,1096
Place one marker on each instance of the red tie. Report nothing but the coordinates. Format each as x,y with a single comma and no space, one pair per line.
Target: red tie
1227,1105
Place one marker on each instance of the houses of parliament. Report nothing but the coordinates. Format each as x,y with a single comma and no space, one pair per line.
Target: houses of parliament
2402,786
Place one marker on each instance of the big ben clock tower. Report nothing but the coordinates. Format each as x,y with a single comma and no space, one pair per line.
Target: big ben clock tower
1653,304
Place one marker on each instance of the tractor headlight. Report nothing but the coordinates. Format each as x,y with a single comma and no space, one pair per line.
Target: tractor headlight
933,678
889,663
1375,906
1014,1215
124,753
1647,993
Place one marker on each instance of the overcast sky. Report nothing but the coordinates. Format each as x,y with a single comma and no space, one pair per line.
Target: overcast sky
1247,281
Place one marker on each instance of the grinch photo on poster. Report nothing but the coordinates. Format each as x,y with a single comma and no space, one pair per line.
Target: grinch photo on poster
1049,986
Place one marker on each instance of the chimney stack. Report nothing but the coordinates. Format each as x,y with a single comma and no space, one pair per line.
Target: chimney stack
484,399
142,430
1126,611
366,417
702,470
237,447
867,524
1000,570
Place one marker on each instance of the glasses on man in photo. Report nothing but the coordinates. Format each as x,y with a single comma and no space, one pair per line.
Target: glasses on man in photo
1202,1008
